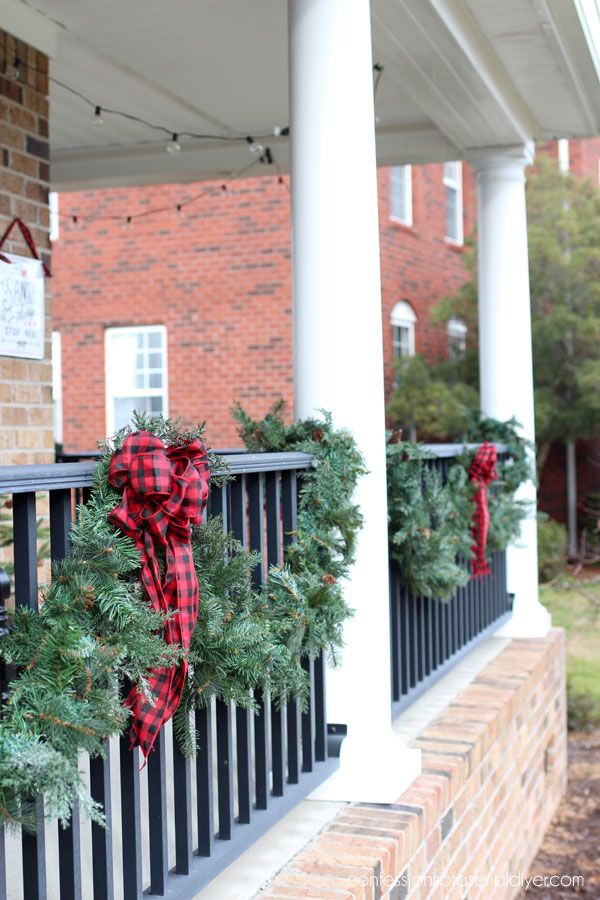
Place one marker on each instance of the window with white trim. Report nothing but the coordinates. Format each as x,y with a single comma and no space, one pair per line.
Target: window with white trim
457,339
403,320
401,194
57,386
136,373
563,155
454,201
54,216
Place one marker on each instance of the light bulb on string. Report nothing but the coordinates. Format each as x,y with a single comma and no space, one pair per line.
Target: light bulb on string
13,72
96,119
174,146
254,146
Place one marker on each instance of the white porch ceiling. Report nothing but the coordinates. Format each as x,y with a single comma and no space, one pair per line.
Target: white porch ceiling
459,75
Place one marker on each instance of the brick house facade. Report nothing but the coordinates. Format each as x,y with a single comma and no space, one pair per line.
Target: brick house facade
26,434
217,274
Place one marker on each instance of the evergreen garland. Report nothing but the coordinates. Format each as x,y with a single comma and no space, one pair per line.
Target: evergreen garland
328,522
95,633
430,521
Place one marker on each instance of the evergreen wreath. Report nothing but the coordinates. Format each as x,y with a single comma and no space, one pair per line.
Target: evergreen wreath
94,632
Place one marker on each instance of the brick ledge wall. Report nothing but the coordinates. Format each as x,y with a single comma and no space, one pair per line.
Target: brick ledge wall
494,771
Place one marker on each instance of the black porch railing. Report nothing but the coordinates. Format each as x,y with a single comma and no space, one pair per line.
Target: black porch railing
174,825
428,636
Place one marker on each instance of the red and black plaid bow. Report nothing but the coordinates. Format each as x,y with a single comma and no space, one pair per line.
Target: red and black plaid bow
164,494
481,472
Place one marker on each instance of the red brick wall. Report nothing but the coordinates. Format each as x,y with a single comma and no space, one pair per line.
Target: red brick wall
26,434
494,772
217,273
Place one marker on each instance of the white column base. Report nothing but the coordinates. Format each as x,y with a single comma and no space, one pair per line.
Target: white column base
374,768
533,621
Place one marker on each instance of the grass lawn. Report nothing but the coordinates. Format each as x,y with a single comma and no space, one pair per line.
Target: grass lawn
575,605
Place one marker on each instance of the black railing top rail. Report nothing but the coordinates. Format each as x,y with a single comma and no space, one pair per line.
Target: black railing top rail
448,450
64,475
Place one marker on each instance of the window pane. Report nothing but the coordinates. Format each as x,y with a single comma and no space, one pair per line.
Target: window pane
399,193
140,339
452,213
154,360
401,340
451,170
155,339
139,381
122,358
155,380
124,407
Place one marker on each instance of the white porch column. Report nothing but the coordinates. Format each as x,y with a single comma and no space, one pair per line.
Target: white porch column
505,356
338,358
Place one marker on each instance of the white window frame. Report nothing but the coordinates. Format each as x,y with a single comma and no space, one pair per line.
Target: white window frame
563,155
457,337
453,182
54,216
111,371
403,316
401,174
57,403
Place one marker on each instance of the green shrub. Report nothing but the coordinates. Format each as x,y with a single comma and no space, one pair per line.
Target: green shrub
583,709
552,547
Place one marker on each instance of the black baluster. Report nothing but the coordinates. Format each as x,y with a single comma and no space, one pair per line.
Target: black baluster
157,816
244,764
274,522
308,719
182,797
261,752
293,741
102,849
320,705
256,515
204,782
224,770
277,749
131,838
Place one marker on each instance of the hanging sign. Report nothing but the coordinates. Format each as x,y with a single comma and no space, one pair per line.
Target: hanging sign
21,307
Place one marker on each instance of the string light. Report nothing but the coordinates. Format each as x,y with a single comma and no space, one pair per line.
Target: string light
174,146
97,119
206,191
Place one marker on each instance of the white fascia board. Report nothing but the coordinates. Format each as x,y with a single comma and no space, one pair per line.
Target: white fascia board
492,74
589,16
574,30
25,24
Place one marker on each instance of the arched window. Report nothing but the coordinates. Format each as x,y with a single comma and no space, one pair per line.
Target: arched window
403,329
457,338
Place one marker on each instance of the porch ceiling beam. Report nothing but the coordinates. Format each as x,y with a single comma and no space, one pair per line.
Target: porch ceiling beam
26,24
150,164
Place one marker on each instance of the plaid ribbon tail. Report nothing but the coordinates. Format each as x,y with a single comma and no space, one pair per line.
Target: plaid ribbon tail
164,493
481,472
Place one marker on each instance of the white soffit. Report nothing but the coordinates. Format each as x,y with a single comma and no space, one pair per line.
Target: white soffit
459,75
